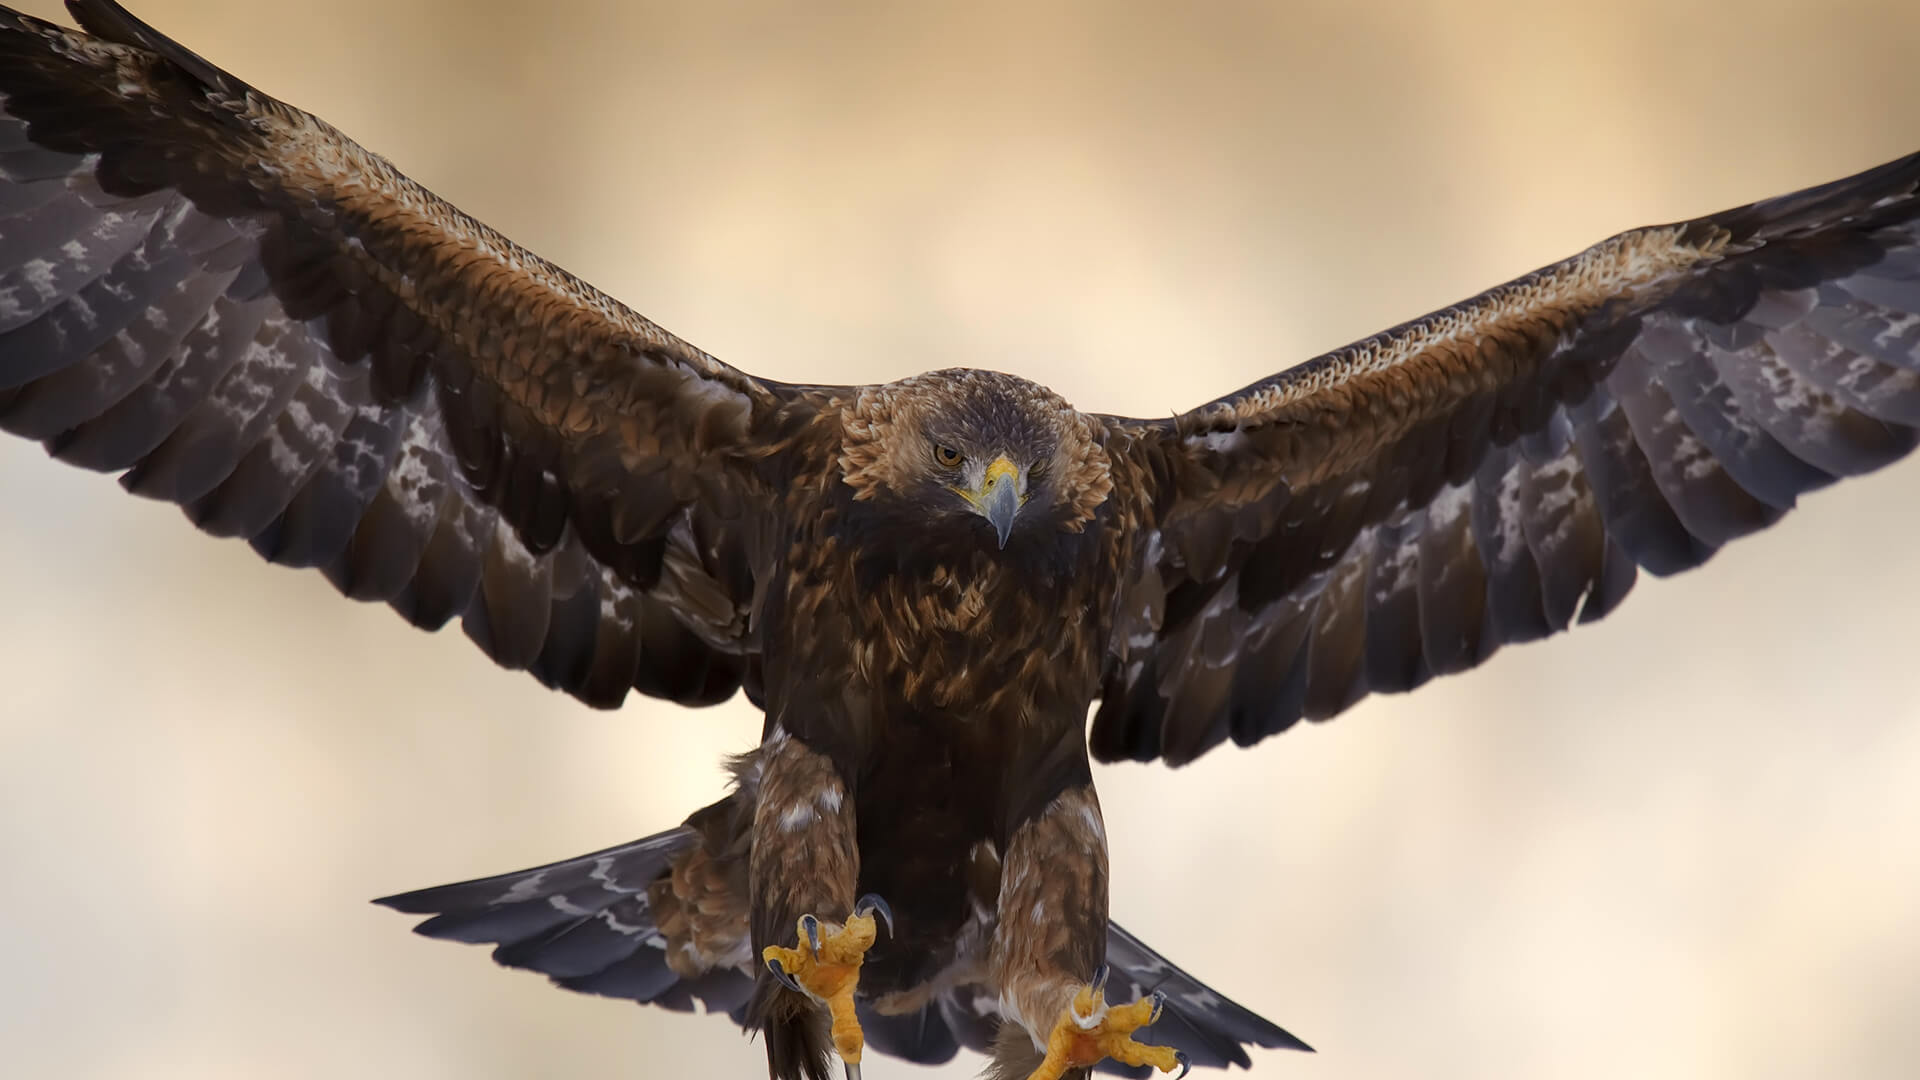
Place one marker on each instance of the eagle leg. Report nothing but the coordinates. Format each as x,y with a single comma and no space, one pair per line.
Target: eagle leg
1051,934
824,964
1090,1031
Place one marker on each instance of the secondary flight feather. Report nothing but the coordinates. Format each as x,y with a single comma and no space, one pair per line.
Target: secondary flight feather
925,584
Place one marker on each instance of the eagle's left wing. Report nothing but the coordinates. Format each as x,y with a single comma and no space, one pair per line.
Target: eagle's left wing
1489,473
263,322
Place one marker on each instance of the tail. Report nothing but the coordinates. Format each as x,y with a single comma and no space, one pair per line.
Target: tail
584,922
1212,1029
587,924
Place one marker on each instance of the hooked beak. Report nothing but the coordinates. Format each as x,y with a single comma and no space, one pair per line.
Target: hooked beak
999,498
1001,504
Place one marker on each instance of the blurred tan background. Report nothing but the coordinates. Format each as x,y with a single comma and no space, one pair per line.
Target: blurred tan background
1683,843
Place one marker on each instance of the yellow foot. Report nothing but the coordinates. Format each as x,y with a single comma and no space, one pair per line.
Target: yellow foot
1088,1031
825,966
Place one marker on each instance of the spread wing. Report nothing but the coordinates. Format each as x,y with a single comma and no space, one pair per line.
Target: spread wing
1495,471
259,320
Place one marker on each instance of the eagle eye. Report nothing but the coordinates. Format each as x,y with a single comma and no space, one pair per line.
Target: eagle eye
948,457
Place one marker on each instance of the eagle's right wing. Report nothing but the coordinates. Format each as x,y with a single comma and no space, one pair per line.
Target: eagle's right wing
261,321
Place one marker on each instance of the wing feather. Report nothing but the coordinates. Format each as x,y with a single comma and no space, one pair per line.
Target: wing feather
249,315
1494,471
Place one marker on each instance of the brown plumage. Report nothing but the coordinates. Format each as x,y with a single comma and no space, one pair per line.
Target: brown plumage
925,584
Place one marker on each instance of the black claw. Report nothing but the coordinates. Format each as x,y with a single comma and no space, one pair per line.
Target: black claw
779,972
1185,1062
1100,974
1159,1005
811,926
873,903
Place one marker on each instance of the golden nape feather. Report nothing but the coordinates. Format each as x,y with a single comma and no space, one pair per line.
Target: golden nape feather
926,584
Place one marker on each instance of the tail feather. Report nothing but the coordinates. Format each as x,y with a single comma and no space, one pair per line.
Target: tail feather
923,1037
799,1045
590,881
584,922
587,924
636,978
586,944
1213,1030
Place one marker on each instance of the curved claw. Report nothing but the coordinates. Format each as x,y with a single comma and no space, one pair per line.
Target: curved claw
853,1070
811,926
1099,981
1159,1005
1186,1063
873,903
779,971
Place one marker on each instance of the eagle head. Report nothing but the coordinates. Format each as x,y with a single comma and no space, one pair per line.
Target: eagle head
975,450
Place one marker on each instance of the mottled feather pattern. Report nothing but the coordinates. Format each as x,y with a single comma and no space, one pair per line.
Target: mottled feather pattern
1449,347
1493,472
587,923
599,924
247,314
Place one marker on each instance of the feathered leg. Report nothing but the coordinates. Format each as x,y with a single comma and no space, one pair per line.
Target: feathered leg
803,871
1048,949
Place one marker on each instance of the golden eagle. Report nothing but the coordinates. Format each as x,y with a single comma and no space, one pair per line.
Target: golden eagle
925,584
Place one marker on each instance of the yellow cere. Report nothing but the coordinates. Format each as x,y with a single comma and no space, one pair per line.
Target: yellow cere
1001,469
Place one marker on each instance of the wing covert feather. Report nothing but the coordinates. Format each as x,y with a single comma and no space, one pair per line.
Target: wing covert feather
1499,469
226,300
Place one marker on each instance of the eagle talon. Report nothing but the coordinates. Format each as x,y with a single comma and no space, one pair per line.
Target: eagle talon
1179,1056
1089,1031
824,964
779,971
872,904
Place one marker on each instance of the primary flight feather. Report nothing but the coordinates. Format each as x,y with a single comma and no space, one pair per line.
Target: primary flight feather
925,584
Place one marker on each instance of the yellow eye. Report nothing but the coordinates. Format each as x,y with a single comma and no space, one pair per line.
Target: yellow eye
947,456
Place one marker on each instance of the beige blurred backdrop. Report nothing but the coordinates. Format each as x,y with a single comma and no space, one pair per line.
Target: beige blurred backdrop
1682,843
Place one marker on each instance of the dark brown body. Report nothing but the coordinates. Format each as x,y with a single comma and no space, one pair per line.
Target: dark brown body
973,667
